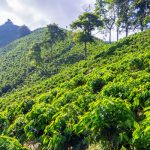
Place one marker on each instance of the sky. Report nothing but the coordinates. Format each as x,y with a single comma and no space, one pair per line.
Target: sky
39,13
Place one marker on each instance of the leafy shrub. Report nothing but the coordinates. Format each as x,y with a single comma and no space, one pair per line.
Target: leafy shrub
7,143
3,122
25,106
78,81
136,63
10,112
117,90
141,136
37,119
67,97
108,120
48,97
97,84
17,129
59,134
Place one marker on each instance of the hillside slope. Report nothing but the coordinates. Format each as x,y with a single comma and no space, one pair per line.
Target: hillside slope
104,100
17,68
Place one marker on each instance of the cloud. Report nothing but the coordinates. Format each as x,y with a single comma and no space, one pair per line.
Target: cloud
37,13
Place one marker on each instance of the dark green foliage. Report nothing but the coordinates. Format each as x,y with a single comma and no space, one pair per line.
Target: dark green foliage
136,63
78,80
25,106
3,123
97,85
16,129
53,35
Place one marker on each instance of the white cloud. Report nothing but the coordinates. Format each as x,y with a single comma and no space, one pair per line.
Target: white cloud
37,13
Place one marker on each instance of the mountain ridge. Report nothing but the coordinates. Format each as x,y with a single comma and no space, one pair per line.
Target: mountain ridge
10,32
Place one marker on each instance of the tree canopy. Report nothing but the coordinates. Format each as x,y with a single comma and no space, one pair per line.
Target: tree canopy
87,22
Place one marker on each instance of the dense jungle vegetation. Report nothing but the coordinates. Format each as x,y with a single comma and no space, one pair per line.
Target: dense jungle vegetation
63,90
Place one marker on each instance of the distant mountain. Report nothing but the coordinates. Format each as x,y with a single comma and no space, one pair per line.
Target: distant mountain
10,32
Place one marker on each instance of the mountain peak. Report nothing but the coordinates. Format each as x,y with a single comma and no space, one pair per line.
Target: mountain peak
10,32
8,22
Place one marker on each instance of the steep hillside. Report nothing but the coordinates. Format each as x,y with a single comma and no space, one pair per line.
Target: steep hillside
101,102
10,32
17,68
12,60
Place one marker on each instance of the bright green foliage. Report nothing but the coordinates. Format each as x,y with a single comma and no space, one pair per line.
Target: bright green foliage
141,136
104,99
108,120
16,129
37,119
7,143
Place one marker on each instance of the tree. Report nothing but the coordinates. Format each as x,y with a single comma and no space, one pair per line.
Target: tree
141,10
118,4
87,22
125,16
35,54
53,34
106,11
36,58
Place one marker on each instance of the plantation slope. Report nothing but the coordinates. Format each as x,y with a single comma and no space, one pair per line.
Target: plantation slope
12,60
104,100
17,69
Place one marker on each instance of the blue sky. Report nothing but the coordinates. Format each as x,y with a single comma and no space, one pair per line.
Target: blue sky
39,13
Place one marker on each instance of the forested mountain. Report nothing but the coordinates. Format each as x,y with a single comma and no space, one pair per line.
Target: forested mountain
10,32
61,101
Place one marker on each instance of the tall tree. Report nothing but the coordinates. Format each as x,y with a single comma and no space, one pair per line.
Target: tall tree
86,22
141,9
125,16
36,58
106,11
53,34
117,4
